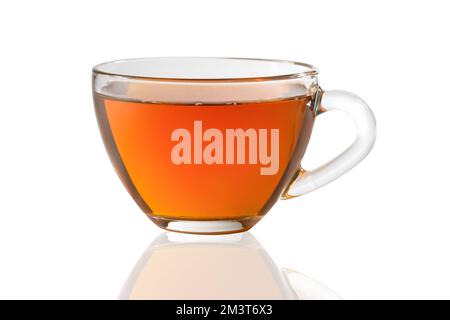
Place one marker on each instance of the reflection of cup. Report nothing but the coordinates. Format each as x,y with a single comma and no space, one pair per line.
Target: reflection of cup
235,266
208,145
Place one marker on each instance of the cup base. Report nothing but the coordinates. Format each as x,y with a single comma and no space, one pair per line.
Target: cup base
206,226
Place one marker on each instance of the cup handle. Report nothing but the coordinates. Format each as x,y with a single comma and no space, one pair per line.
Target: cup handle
364,120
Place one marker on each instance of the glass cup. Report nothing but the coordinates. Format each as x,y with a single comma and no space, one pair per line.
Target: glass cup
208,145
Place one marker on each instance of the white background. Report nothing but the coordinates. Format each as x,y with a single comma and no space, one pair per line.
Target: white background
68,229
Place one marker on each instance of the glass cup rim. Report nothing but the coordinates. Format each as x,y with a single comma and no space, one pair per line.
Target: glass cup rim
310,70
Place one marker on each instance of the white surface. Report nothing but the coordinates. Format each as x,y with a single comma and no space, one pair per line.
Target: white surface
222,267
68,229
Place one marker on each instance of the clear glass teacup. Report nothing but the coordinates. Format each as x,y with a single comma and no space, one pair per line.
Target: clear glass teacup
208,145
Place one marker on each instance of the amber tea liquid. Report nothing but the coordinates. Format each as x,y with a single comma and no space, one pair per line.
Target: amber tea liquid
205,161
